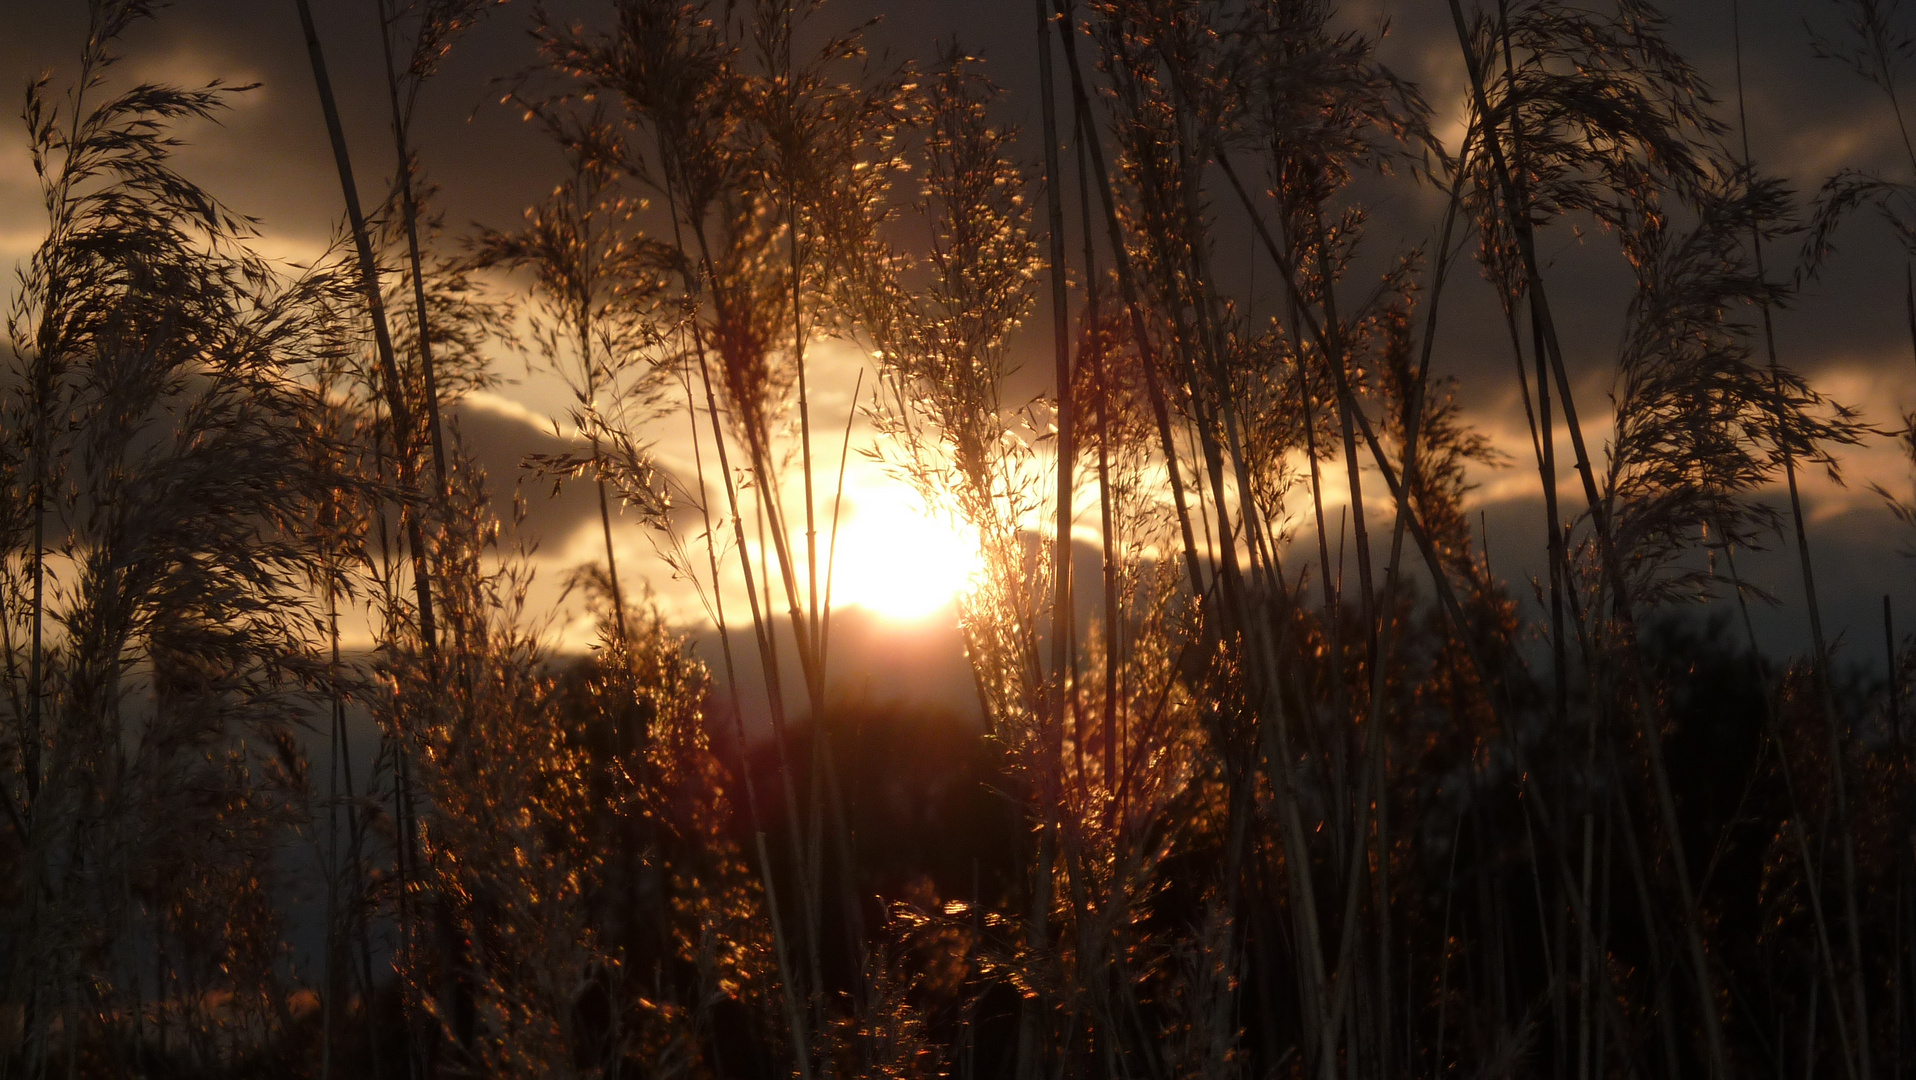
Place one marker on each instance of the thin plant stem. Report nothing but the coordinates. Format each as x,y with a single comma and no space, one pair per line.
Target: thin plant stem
1825,697
793,994
399,412
1030,1053
1648,713
409,210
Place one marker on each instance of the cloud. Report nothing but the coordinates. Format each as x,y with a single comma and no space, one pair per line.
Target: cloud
500,434
269,157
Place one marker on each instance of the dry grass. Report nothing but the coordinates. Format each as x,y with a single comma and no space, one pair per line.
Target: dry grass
1216,825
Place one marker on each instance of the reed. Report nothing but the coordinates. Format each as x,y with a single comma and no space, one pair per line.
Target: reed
1425,821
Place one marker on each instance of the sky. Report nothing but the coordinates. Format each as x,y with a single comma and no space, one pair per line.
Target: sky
269,158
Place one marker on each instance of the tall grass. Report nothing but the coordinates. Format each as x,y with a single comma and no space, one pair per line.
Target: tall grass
1419,822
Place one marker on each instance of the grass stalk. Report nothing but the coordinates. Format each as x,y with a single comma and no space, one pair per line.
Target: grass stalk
1812,880
793,994
1648,713
687,216
399,412
774,684
409,211
1081,104
1445,592
1825,698
1037,930
1114,770
838,501
1274,738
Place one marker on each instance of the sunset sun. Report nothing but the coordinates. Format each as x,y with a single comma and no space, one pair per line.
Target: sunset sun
896,561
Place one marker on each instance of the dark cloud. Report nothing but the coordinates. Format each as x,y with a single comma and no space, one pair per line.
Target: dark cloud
500,442
1860,559
273,160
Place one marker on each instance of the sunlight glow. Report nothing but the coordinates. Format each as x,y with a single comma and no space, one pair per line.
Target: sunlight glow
898,562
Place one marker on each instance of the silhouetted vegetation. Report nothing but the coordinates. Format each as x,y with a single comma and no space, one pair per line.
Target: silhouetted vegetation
1264,787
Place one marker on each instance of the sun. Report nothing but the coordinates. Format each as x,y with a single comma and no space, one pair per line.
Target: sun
899,562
